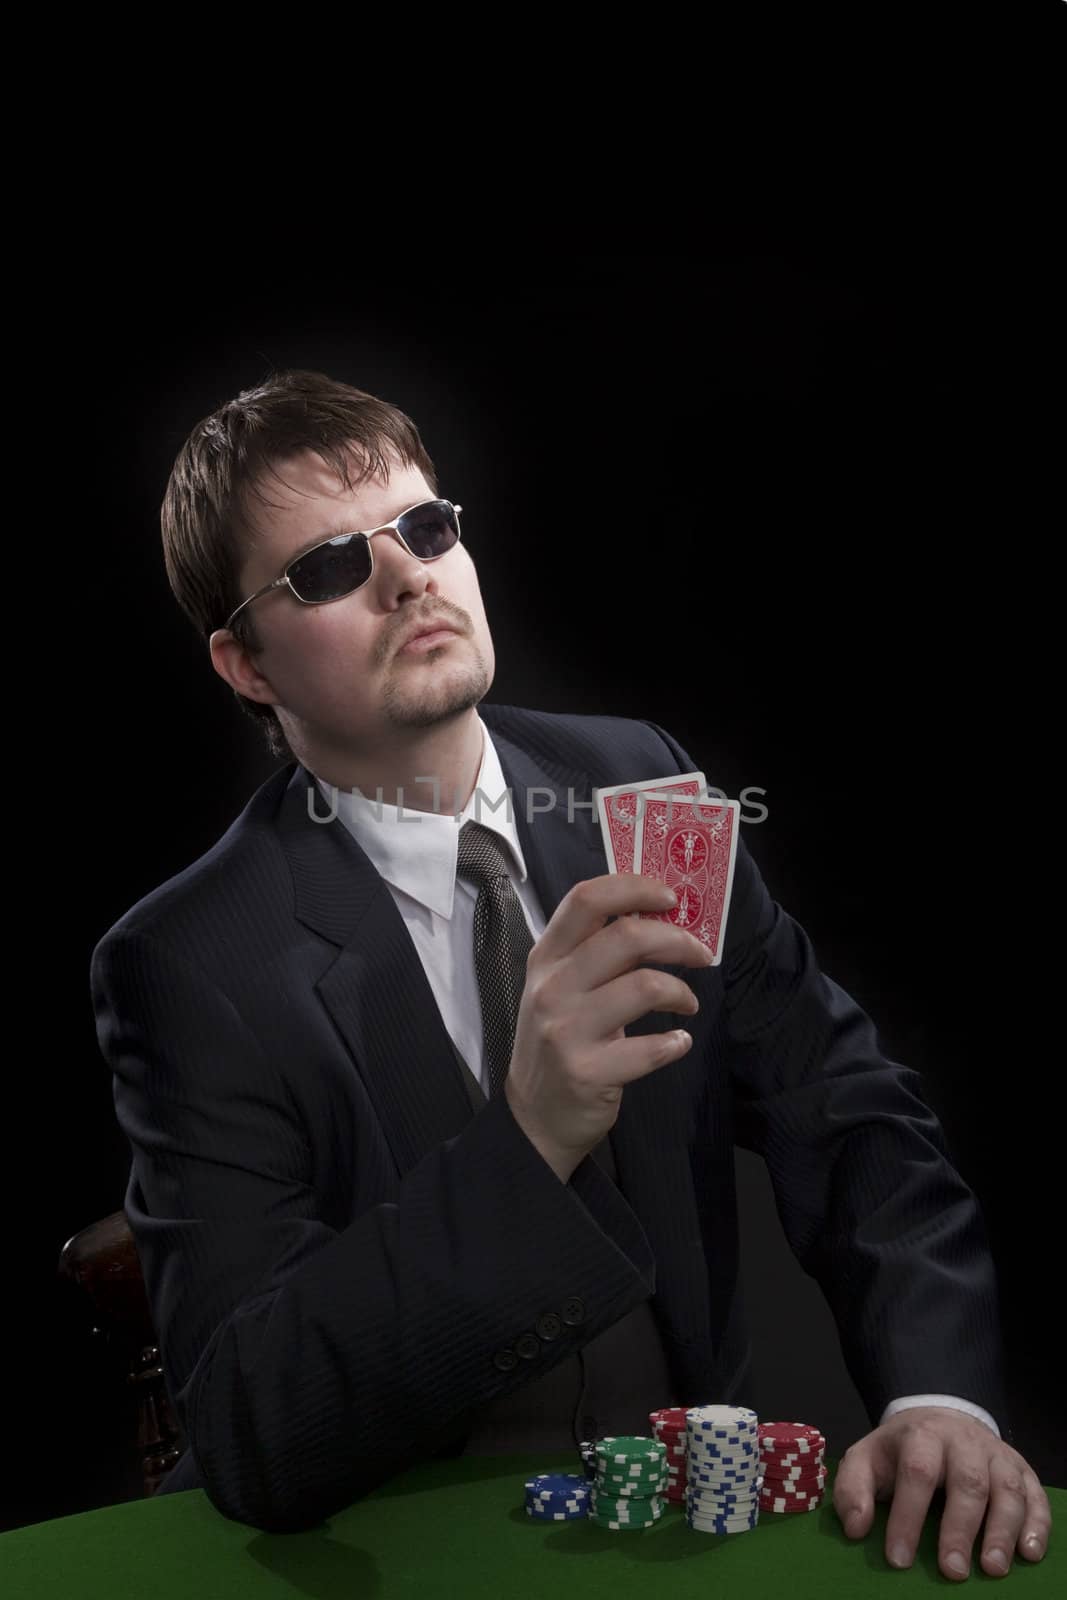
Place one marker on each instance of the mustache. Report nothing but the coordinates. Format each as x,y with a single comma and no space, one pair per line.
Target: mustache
413,626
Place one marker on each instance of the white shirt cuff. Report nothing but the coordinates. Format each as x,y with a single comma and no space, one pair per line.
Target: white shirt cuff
907,1401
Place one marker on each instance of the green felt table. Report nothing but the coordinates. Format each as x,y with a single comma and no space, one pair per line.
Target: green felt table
459,1529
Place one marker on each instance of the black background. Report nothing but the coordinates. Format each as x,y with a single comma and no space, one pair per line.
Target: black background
760,492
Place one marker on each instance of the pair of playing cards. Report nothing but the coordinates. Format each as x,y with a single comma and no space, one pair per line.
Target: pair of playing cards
671,829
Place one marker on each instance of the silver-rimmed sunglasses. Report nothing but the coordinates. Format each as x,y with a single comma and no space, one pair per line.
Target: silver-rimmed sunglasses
339,566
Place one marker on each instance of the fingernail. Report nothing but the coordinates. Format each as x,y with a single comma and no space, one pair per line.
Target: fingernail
1033,1544
997,1558
900,1556
957,1564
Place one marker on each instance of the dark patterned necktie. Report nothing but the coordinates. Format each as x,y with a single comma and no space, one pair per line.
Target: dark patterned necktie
502,942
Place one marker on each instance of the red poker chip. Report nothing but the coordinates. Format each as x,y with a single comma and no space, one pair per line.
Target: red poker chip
788,1474
799,1484
778,1491
807,1486
777,1508
669,1417
790,1435
792,1458
802,1482
799,1436
789,1500
791,1450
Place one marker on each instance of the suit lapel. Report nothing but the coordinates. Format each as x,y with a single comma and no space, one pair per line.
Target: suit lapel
376,990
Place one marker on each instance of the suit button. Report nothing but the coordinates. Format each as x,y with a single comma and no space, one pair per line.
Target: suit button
505,1360
573,1311
527,1346
548,1326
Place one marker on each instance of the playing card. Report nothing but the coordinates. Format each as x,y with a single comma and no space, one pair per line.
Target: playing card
619,806
693,852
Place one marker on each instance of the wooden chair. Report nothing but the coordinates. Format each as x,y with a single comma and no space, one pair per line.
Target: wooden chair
102,1261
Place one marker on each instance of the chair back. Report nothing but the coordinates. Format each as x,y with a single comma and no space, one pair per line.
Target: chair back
102,1261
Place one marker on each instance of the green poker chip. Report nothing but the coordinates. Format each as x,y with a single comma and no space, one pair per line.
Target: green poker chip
605,1520
628,1449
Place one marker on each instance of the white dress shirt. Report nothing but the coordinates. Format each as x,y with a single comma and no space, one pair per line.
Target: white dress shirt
415,852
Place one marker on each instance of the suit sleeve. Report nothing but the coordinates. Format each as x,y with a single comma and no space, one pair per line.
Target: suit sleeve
869,1200
309,1365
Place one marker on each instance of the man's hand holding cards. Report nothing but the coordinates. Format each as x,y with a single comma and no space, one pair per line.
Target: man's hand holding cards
671,855
670,830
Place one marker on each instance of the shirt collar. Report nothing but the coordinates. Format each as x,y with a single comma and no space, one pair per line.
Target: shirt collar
417,852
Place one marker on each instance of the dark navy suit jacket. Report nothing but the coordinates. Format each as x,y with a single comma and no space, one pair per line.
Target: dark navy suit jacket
337,1246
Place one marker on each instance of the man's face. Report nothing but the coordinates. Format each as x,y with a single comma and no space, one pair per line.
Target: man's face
337,673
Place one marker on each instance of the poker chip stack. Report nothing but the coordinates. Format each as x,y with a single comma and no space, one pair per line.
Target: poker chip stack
794,1473
723,1448
630,1480
557,1497
587,1451
669,1427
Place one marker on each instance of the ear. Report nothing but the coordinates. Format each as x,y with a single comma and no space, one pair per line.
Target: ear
232,662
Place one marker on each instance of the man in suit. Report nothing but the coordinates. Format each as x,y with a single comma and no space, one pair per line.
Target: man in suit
363,1240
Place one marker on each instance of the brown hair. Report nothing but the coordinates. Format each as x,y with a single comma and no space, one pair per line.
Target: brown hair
205,517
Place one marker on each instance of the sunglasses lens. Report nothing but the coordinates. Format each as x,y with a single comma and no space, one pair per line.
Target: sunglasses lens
431,529
335,569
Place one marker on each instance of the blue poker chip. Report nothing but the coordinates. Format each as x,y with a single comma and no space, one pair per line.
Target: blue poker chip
748,1486
715,1436
723,1524
720,1486
721,1508
726,1475
557,1497
550,1508
712,1508
547,1485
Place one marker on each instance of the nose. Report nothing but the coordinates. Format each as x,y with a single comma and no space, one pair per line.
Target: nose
396,570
